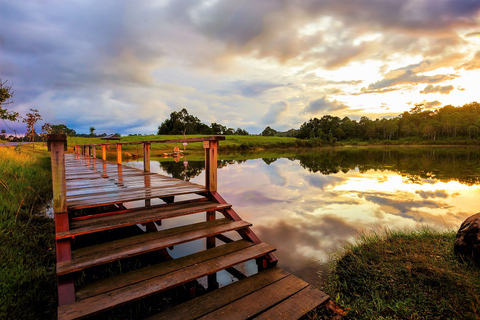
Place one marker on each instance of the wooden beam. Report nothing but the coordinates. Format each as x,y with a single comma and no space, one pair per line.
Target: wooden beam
119,154
146,157
211,151
57,144
104,152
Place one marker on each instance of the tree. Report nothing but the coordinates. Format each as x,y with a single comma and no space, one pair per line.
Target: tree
269,132
31,118
46,128
61,128
3,134
92,131
5,94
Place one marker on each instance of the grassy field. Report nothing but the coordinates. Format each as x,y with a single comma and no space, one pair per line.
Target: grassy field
403,275
27,246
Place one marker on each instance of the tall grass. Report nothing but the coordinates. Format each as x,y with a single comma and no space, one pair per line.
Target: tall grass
404,275
27,247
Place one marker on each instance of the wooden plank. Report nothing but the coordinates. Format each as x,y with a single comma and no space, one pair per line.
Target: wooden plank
128,247
112,299
133,217
212,301
167,192
296,306
136,276
255,303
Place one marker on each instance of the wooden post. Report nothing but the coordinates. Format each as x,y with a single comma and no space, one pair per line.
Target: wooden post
119,154
57,145
104,152
94,151
211,164
212,278
146,157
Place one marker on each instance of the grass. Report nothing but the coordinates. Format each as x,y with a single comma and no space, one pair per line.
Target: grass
27,246
403,275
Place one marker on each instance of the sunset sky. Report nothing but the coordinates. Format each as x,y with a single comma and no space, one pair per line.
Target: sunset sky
124,66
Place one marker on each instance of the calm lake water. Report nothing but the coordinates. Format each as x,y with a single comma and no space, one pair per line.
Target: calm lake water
307,203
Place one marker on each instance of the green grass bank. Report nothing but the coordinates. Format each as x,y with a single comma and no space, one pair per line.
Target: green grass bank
403,275
27,241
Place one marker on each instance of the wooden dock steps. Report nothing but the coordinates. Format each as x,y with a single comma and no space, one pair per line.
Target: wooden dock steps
92,217
123,218
124,248
270,294
119,290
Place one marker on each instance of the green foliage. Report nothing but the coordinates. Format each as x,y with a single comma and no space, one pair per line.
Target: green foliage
5,94
27,251
445,123
61,128
183,123
404,275
269,132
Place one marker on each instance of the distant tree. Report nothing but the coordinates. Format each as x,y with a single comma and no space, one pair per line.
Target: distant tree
5,94
269,132
61,128
241,132
46,128
92,131
3,134
31,118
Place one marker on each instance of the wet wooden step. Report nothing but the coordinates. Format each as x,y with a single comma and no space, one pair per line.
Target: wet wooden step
145,282
128,247
269,294
125,218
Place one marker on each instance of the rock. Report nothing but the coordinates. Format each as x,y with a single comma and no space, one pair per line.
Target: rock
467,242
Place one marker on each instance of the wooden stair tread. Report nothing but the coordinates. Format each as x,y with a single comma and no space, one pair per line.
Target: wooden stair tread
269,294
131,217
138,290
143,274
127,247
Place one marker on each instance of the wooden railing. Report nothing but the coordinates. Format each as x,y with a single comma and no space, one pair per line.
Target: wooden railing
210,144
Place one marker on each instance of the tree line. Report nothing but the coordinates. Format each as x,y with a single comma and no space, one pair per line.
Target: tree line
418,123
184,123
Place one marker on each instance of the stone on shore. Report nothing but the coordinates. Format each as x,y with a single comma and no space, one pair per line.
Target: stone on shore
467,242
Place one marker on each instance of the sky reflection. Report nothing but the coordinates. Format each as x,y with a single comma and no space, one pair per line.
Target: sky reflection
307,214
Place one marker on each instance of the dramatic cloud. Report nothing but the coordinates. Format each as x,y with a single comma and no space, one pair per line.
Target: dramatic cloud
323,105
124,67
408,75
440,89
432,194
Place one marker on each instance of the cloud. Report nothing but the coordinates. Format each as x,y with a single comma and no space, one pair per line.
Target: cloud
473,64
323,105
432,194
473,34
256,88
409,76
440,89
274,112
431,104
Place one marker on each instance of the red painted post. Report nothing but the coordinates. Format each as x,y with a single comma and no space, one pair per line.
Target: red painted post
57,146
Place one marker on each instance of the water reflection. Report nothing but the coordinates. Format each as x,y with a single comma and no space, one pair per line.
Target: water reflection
307,204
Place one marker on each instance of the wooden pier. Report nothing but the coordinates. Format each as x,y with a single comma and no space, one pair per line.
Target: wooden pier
83,184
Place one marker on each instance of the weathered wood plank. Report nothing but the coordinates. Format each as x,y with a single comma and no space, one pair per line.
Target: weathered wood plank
112,299
143,274
132,217
128,247
296,306
212,301
255,303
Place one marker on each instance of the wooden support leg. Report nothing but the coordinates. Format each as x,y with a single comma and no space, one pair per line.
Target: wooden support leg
212,278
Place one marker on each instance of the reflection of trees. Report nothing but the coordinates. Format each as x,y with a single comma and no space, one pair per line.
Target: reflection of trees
460,164
194,168
269,160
